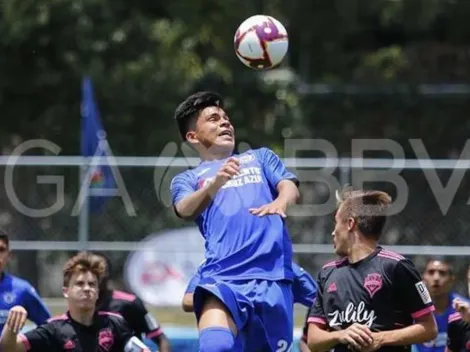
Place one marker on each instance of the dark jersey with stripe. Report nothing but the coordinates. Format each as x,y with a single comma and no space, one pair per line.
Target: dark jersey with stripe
458,333
108,333
383,291
133,311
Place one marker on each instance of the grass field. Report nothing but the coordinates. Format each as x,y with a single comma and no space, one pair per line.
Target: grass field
168,315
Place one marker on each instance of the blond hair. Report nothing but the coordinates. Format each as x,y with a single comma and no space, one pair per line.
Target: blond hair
81,263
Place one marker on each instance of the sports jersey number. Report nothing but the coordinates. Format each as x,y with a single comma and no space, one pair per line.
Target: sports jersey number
283,346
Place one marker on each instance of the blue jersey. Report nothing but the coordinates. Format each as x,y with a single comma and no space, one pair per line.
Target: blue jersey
18,292
304,287
439,344
238,244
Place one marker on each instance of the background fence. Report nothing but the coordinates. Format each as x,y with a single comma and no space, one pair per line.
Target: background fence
423,228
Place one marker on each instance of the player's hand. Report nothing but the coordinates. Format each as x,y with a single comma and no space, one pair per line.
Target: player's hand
375,345
277,207
230,168
463,308
357,336
16,319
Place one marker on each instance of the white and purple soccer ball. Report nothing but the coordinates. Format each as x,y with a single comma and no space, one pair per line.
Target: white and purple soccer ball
261,42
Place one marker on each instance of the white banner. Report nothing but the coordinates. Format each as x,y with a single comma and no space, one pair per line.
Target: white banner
159,271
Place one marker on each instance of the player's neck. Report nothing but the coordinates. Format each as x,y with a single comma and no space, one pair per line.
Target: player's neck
82,317
441,303
213,156
210,154
361,250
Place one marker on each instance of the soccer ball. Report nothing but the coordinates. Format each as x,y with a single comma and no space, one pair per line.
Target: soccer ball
261,42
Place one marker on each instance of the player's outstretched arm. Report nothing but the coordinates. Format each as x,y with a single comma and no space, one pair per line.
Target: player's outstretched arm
357,336
193,204
288,194
424,329
10,341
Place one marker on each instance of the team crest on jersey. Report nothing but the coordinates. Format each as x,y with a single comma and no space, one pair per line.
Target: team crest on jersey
106,339
9,297
245,159
204,182
373,283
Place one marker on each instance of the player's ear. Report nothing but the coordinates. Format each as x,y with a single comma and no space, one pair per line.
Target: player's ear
191,137
65,292
351,223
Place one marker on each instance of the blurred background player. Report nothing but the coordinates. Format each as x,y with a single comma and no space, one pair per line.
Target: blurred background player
239,203
130,307
439,278
82,328
15,291
372,299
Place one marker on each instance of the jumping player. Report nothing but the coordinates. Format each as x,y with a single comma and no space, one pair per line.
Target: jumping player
439,279
15,291
82,328
130,307
372,299
239,203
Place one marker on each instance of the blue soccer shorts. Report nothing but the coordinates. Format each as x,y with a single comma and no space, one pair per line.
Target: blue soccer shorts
262,311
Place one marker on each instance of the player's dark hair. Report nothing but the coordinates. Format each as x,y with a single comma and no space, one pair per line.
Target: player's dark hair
188,110
367,208
4,237
443,260
81,263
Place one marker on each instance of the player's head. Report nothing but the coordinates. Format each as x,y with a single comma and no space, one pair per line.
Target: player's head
204,124
360,215
439,277
82,274
4,250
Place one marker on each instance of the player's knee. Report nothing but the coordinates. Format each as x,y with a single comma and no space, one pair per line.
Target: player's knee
216,339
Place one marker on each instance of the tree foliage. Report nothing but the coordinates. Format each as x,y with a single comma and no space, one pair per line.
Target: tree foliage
146,56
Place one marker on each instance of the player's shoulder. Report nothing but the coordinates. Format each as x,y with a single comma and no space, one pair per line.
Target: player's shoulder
391,258
112,317
58,320
454,318
123,297
332,266
185,175
19,283
297,269
299,272
455,295
259,152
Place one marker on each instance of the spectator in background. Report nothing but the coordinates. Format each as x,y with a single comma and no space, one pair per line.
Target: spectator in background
130,307
439,278
15,291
